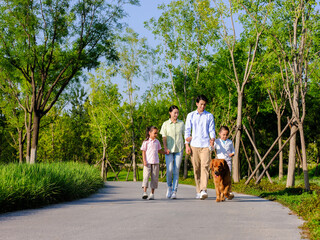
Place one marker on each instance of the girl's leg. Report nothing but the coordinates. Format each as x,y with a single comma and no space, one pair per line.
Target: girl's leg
146,174
154,176
154,179
176,169
169,165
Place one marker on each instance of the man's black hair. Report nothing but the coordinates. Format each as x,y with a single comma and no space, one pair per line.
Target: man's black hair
203,98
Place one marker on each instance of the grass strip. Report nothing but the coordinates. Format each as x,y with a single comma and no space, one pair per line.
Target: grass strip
24,186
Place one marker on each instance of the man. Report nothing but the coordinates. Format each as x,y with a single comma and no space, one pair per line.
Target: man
201,124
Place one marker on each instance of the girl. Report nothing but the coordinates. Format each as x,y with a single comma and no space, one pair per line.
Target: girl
150,149
172,135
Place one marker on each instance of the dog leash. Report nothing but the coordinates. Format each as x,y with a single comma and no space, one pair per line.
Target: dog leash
211,149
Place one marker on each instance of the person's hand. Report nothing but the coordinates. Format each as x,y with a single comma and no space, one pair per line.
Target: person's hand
166,150
188,149
212,142
189,139
231,154
144,163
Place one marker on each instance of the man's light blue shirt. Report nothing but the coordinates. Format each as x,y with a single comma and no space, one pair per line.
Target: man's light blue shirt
202,127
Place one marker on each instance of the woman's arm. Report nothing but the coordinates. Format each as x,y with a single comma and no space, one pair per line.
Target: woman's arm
164,141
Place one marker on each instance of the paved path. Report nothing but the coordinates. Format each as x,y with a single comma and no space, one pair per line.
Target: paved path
118,212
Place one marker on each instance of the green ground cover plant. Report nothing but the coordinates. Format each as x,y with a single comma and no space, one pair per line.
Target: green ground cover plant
24,186
304,204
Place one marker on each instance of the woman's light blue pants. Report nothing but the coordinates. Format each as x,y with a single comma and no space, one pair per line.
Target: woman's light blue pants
173,162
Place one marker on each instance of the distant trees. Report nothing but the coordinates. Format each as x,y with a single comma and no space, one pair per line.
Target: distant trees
259,78
45,45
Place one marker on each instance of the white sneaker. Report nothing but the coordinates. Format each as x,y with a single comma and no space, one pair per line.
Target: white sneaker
145,195
203,195
173,195
169,192
151,196
198,196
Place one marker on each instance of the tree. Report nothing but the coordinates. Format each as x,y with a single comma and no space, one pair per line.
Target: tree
49,44
15,117
242,73
105,120
132,50
187,30
274,85
293,29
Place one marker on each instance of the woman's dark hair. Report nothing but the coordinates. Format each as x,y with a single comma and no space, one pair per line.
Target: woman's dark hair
173,107
224,128
202,97
149,129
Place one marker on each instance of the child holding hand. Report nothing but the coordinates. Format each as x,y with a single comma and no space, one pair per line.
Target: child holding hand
224,146
150,149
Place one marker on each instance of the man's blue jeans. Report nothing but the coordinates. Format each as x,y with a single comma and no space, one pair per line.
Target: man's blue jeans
173,162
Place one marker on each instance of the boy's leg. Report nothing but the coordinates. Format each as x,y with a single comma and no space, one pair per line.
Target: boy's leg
205,162
154,176
195,159
229,162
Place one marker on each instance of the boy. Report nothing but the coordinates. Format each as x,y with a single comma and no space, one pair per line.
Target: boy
224,146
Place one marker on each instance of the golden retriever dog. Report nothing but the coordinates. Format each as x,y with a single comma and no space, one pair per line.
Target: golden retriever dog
222,179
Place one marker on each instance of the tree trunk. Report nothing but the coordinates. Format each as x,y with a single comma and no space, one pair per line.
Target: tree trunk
304,158
103,164
35,137
134,164
236,159
292,158
20,146
256,162
280,144
52,140
293,140
29,130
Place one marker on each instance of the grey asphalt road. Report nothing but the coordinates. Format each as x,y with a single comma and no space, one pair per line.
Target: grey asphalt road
118,212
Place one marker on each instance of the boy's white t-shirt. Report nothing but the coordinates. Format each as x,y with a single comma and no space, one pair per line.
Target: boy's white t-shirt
223,149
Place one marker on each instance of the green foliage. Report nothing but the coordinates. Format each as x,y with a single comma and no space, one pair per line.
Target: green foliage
45,46
106,124
28,186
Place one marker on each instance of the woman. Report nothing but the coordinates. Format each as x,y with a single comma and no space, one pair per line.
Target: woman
172,132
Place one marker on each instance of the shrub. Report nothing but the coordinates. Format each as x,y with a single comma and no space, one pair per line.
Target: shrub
29,186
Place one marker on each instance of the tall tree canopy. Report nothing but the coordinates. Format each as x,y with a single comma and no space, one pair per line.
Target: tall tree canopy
46,44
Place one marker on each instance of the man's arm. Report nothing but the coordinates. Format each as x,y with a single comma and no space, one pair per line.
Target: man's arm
212,130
